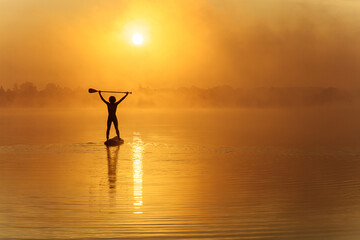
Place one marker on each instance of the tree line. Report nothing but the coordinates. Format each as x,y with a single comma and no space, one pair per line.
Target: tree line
27,94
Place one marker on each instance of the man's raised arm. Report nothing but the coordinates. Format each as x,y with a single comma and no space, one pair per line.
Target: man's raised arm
122,98
102,98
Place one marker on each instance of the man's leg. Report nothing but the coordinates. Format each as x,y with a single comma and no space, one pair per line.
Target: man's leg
108,128
116,127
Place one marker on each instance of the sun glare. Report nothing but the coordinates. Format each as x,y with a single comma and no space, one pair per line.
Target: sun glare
137,39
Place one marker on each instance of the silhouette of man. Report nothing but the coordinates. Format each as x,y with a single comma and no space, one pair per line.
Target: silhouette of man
112,106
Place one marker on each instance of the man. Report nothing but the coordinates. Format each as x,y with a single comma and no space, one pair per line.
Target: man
112,106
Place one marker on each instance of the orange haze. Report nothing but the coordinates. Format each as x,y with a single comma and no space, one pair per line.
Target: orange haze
202,43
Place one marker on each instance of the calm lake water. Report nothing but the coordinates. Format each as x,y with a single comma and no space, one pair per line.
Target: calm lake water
196,174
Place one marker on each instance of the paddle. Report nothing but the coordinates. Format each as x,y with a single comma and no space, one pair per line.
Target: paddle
91,90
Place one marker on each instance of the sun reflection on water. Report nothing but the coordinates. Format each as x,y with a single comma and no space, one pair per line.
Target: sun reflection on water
137,148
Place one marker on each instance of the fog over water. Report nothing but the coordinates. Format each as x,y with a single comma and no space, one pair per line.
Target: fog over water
54,96
243,122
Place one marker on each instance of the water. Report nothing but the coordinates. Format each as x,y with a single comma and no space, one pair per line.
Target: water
204,174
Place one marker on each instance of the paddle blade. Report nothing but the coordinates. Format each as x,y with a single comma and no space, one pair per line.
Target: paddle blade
91,90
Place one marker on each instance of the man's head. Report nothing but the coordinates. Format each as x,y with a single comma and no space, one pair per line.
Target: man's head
112,99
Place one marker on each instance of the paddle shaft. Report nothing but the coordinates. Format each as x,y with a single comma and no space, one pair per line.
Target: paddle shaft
115,92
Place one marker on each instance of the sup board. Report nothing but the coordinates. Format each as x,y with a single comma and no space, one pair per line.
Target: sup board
114,141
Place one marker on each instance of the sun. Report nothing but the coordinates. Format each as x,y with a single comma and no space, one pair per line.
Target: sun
137,39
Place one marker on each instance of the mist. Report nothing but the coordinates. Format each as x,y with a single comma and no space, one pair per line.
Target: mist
243,44
27,94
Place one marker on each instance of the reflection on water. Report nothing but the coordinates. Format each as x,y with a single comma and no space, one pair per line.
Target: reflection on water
137,148
204,175
112,157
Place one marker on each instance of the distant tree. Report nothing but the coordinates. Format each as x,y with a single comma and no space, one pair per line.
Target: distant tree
28,88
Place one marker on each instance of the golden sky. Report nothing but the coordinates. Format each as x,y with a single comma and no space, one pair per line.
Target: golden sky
247,43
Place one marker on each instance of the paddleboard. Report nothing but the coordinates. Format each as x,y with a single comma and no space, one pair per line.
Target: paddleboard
114,141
